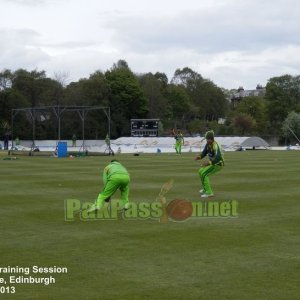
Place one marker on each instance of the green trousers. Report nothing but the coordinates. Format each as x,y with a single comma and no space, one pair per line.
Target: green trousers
204,173
178,147
115,182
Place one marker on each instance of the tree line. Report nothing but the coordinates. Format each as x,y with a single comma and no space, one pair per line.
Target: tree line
187,101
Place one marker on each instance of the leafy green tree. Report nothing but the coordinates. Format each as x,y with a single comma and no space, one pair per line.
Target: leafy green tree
256,107
126,100
189,101
197,126
6,77
208,102
12,99
39,90
93,91
154,88
163,78
186,77
211,99
291,126
283,95
179,103
244,124
121,64
29,85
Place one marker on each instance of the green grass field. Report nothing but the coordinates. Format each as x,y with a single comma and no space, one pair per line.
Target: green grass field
252,256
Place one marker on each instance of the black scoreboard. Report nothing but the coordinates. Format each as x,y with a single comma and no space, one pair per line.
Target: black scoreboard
144,127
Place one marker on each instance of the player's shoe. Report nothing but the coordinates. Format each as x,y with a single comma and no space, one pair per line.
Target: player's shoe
207,195
202,191
94,207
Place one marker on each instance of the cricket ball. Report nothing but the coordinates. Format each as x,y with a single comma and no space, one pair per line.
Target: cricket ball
179,209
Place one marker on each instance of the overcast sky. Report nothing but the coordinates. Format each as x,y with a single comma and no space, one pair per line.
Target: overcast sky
232,42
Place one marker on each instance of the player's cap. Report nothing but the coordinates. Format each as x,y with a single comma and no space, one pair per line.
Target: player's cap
209,135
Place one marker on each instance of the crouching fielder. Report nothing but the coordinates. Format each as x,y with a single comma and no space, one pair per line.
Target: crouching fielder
115,176
215,163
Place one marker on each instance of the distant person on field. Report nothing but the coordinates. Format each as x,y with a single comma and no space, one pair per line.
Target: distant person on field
6,140
107,142
74,140
115,177
215,163
179,141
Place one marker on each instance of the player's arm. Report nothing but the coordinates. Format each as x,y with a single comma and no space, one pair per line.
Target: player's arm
202,154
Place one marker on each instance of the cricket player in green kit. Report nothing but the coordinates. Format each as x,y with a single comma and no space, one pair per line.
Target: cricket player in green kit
179,141
213,150
115,176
